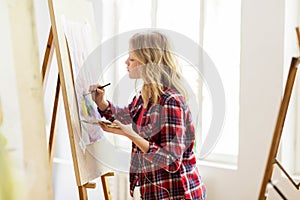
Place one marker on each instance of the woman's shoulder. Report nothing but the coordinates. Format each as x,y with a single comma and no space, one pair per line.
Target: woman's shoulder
172,95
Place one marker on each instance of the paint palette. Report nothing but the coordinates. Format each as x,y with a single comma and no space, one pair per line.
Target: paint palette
97,122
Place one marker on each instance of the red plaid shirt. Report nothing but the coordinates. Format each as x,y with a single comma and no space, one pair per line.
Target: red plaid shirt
168,170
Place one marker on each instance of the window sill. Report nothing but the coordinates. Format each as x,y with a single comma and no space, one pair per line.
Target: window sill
217,165
220,161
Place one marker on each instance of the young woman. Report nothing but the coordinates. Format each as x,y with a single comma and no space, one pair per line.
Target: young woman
158,122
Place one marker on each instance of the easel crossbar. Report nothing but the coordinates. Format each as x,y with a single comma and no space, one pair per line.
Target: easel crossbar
287,174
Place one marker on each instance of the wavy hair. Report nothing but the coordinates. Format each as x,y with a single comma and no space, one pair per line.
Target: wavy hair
159,67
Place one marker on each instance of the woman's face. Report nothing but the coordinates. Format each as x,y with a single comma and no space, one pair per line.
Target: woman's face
133,66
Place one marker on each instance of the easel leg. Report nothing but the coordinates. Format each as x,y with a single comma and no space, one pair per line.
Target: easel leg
82,193
105,185
53,123
45,71
83,189
47,57
279,125
278,129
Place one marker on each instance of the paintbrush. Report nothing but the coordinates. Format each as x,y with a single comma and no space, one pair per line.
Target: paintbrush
100,87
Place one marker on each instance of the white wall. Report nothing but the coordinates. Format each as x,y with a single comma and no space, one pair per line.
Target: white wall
262,59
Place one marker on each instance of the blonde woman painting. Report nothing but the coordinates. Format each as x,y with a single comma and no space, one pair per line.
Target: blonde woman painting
158,122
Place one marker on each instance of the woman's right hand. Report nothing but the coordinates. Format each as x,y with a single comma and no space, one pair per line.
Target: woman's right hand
98,96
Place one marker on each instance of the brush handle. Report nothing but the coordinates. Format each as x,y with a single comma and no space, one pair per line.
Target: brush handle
100,87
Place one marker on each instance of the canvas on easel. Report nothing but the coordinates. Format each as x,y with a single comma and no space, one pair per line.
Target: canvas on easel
85,166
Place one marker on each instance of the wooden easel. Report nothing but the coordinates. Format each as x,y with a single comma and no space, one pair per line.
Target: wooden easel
62,80
278,131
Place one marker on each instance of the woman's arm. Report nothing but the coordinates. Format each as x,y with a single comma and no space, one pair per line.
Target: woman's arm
106,109
103,106
113,112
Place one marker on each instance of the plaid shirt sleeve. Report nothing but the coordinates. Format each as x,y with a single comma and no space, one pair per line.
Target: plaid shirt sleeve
113,112
170,124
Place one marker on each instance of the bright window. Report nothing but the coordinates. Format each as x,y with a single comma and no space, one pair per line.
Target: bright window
222,43
213,24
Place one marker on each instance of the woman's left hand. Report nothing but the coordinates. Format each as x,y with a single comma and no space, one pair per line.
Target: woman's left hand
118,128
127,129
110,129
133,136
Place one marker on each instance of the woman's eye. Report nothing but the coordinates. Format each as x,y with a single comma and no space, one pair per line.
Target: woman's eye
131,60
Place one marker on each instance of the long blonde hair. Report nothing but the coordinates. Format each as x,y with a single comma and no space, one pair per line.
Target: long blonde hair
159,65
